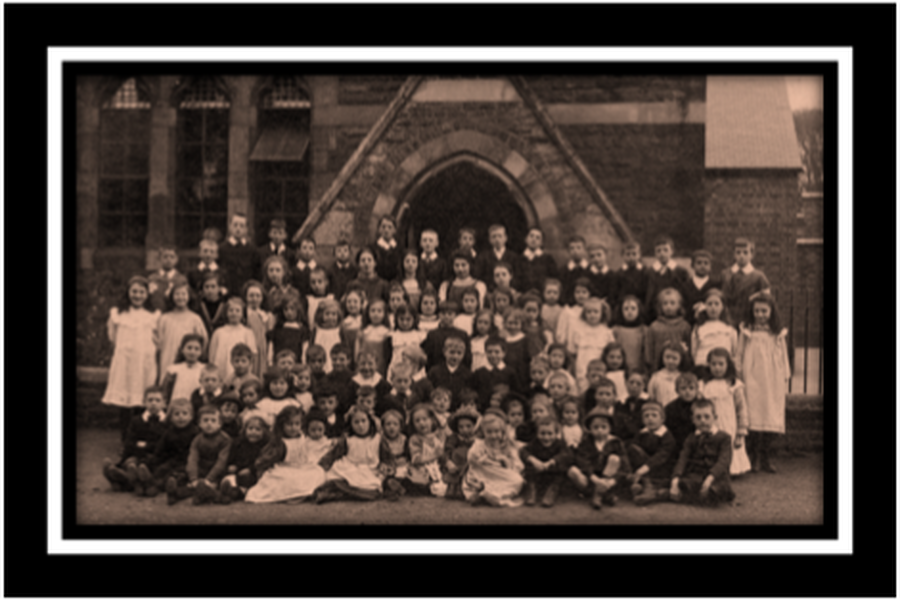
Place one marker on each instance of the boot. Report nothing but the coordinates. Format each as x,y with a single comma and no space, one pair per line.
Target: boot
117,477
203,493
530,494
171,491
597,498
550,494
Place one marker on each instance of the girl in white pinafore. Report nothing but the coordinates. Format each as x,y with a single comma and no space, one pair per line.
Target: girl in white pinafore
358,463
588,337
722,387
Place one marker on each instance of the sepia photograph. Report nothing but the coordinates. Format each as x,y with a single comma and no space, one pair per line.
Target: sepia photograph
520,295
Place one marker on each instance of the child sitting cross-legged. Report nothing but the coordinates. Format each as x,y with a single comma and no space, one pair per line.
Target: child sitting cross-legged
701,473
653,455
141,436
426,448
206,463
241,474
463,423
547,459
601,461
494,473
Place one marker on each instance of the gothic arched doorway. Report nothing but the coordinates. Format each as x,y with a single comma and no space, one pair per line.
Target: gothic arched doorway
464,191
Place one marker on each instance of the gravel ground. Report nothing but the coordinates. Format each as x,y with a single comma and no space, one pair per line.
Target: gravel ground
793,496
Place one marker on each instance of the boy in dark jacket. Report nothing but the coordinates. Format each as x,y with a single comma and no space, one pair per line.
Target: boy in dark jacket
702,472
653,456
206,462
546,459
141,436
601,461
170,455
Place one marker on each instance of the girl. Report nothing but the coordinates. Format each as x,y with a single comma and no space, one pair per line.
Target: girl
289,330
405,335
559,364
226,336
358,463
721,386
630,331
713,329
503,278
211,307
396,298
571,431
536,331
327,332
428,304
175,324
570,316
462,270
353,322
494,472
318,291
464,423
515,413
616,368
276,282
374,335
302,375
241,459
260,322
288,467
368,280
441,399
409,278
132,330
501,299
484,328
588,337
670,325
471,302
183,377
426,447
673,361
392,422
278,396
762,364
551,309
518,355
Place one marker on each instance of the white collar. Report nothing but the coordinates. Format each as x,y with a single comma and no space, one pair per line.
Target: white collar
168,274
373,381
500,366
499,254
531,254
209,266
596,271
301,264
660,268
278,248
661,431
638,266
420,375
395,392
387,245
516,337
234,241
746,269
429,257
713,430
584,264
452,370
146,416
332,419
700,282
340,265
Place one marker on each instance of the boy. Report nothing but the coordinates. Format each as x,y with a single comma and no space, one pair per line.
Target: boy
342,270
495,372
210,388
577,268
629,412
318,291
433,344
206,462
143,432
276,246
560,391
209,253
304,265
601,461
702,468
463,423
366,375
742,280
699,284
596,375
546,460
388,253
486,261
432,268
451,373
241,360
602,279
211,306
536,266
230,408
539,371
421,386
316,358
665,274
285,360
237,256
327,403
400,398
551,307
631,278
679,418
163,279
466,243
653,455
340,378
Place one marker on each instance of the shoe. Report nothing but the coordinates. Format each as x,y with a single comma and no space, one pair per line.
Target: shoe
172,491
530,494
131,474
224,495
203,493
597,500
144,475
636,490
610,500
395,489
151,491
550,495
116,476
492,499
764,464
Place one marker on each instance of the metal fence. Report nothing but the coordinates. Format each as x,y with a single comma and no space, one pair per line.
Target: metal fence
805,334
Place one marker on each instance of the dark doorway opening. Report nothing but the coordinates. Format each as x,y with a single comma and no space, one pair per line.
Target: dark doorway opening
463,195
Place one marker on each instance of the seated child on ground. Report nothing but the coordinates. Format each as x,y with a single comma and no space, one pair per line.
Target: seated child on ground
652,455
547,459
701,474
601,461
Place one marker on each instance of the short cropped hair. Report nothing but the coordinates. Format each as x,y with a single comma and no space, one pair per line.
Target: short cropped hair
285,353
686,378
663,240
241,350
631,246
496,341
605,382
277,224
744,243
701,253
702,403
207,410
574,239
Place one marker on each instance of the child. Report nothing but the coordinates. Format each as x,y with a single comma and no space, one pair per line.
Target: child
428,305
486,261
230,408
183,377
285,360
470,303
762,364
260,322
340,378
327,405
502,278
367,375
277,391
237,255
275,246
631,278
373,337
432,268
601,461
211,306
546,460
227,336
551,308
342,270
494,472
410,279
518,351
702,468
162,281
206,462
241,359
143,432
302,375
406,334
698,286
596,373
713,329
367,399
387,252
451,373
401,398
559,359
536,331
536,266
358,463
288,468
496,372
664,274
652,455
605,396
673,363
514,407
327,332
571,315
721,386
316,358
318,291
209,253
558,387
426,447
541,406
539,370
305,264
441,400
368,279
571,431
177,322
433,344
614,358
251,393
631,332
463,424
679,418
132,330
170,454
602,279
241,474
588,337
628,415
210,387
670,326
353,322
576,269
392,430
466,243
276,281
396,298
452,290
742,280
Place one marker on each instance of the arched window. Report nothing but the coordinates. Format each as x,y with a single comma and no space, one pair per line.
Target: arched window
279,171
124,165
201,173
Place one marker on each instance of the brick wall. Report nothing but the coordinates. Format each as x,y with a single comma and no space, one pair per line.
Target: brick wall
618,88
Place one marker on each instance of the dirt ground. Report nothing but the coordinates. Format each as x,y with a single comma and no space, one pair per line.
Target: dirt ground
793,496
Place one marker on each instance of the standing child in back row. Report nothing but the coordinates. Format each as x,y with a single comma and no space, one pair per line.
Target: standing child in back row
742,280
664,274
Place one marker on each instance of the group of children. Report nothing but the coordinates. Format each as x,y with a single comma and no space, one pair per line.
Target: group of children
492,377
